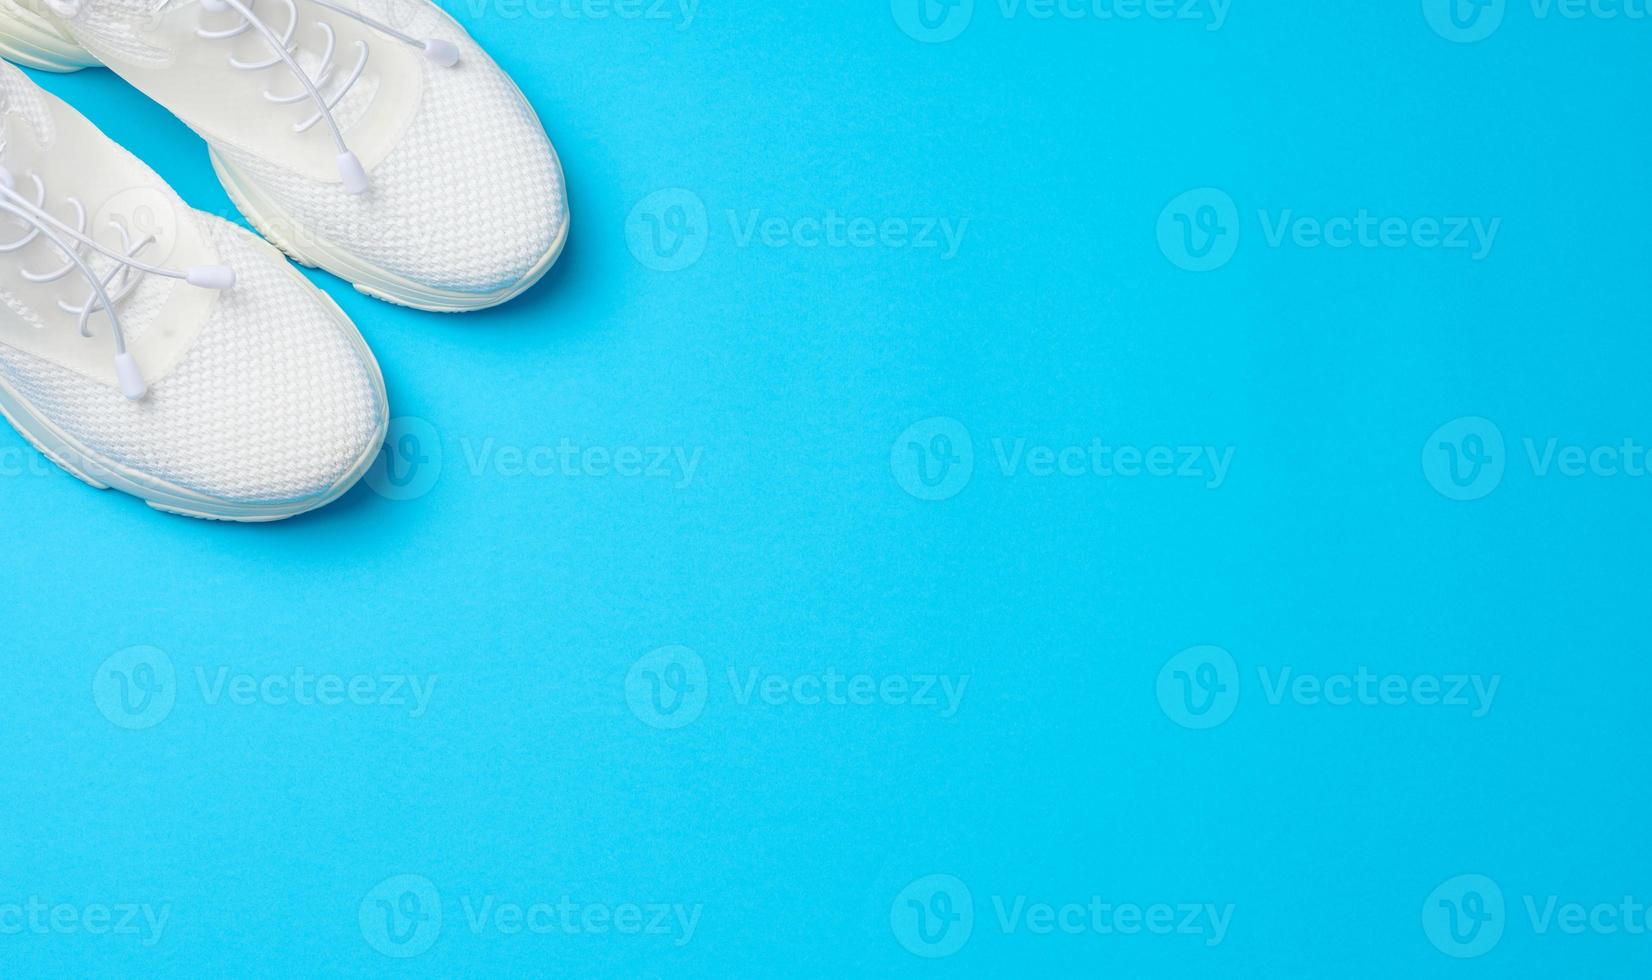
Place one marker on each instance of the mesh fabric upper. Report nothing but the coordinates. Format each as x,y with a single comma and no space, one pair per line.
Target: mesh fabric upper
273,403
469,200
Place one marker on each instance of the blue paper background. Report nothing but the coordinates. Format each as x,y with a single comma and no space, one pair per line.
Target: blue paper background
554,603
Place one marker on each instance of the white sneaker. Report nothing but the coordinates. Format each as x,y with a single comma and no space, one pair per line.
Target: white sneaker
28,39
165,353
376,140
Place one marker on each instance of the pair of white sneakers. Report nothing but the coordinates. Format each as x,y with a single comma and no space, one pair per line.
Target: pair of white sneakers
163,352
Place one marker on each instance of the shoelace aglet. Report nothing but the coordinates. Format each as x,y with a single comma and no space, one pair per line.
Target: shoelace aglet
127,375
444,53
354,174
131,380
210,276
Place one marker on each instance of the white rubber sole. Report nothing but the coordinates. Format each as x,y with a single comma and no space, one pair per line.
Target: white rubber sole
268,218
106,474
26,39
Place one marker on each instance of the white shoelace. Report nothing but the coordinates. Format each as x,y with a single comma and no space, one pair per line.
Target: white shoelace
128,268
443,53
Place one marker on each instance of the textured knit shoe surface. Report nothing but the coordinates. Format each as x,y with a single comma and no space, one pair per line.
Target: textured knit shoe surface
373,138
160,351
